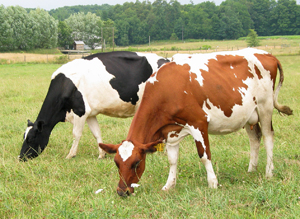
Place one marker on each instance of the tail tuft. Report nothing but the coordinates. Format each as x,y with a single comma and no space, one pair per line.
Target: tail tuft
285,110
281,108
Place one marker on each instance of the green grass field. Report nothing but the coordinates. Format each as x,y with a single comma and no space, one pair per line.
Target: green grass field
52,187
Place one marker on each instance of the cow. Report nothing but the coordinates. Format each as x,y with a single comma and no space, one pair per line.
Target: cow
108,83
217,93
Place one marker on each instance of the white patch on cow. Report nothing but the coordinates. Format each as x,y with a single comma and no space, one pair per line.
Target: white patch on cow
174,138
208,118
233,89
125,150
185,92
152,59
242,91
26,131
235,75
231,66
153,78
197,135
135,185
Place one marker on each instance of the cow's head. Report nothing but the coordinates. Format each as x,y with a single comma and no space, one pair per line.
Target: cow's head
130,160
34,141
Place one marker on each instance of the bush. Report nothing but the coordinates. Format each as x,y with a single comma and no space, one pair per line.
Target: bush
173,36
252,38
61,59
205,47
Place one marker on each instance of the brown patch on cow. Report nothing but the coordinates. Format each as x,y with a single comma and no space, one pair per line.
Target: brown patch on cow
269,63
223,80
254,100
258,72
207,106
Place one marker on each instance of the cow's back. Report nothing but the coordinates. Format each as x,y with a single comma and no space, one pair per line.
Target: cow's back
111,83
227,86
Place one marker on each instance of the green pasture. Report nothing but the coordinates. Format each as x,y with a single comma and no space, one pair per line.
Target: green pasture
51,186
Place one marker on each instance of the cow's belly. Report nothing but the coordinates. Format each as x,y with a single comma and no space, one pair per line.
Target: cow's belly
105,100
118,109
219,124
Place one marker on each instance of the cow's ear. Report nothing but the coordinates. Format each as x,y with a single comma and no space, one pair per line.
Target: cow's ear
29,123
150,147
40,125
109,148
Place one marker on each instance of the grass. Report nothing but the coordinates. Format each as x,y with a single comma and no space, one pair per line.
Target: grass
52,187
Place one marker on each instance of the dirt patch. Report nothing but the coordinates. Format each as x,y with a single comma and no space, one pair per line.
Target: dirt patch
28,57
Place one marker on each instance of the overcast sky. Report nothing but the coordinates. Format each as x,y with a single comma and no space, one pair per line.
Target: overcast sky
53,4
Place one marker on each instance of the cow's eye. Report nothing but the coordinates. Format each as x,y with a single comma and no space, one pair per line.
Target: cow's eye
137,164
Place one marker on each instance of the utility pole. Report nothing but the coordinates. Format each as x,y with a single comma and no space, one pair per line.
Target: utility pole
182,33
113,38
102,39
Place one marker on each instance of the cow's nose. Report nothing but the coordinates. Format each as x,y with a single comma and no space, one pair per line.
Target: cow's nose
123,193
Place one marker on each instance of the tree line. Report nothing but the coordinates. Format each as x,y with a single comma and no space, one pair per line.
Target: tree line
133,23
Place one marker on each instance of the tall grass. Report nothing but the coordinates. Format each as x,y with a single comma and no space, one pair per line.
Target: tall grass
52,187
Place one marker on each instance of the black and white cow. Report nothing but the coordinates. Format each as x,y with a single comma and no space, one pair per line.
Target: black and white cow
108,83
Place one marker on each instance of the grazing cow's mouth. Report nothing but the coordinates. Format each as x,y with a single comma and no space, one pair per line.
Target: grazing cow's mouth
126,192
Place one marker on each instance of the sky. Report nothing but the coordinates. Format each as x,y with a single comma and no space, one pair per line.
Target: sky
53,4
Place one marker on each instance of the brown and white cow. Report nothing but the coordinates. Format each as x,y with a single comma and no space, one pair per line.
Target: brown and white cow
202,94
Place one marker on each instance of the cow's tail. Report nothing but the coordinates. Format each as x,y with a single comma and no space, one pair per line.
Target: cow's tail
281,108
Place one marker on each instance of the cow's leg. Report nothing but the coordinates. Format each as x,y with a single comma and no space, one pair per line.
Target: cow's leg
78,125
265,118
95,129
199,131
254,134
172,151
205,156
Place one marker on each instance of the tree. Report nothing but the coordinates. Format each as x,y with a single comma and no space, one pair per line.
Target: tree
85,27
44,30
284,18
107,31
260,12
21,27
64,35
252,40
6,32
173,36
230,25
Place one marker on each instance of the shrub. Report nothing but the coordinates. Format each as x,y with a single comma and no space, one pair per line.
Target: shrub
205,47
252,40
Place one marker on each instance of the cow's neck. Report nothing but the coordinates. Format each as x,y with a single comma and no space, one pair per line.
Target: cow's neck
51,113
147,126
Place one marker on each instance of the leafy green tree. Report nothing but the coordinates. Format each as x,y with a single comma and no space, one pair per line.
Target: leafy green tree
44,30
284,17
6,32
64,35
122,35
21,30
19,22
173,36
260,12
230,25
252,40
108,31
85,27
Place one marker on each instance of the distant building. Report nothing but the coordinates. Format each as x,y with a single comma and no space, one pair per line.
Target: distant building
78,45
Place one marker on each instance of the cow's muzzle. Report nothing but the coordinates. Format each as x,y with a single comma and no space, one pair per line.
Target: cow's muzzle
125,192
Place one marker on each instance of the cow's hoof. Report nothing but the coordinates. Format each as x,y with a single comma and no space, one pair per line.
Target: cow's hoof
70,156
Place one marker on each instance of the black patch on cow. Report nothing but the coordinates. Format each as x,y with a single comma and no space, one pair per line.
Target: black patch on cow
160,62
129,70
63,96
